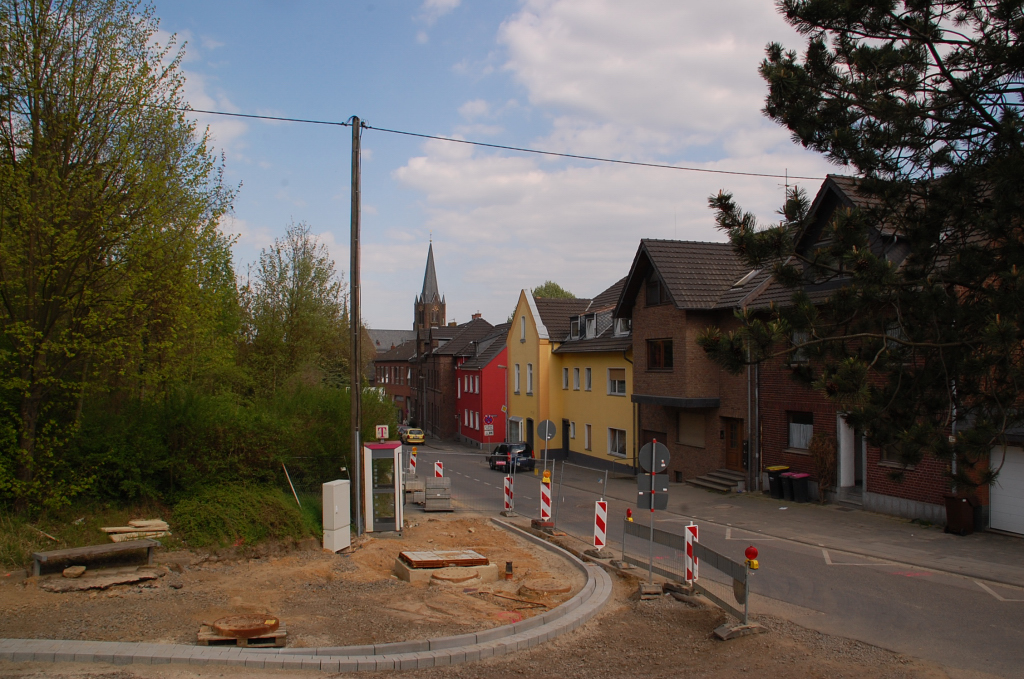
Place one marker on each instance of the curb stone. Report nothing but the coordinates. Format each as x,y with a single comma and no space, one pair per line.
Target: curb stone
398,655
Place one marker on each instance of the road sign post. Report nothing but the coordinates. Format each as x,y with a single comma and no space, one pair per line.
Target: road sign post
654,458
546,430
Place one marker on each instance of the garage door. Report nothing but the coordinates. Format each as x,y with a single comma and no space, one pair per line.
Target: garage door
1008,491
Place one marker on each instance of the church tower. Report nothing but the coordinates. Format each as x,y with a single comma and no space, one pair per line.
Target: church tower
429,308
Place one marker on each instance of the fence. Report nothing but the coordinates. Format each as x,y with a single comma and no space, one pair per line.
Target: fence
576,489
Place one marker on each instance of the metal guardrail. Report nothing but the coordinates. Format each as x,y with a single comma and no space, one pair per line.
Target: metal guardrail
739,573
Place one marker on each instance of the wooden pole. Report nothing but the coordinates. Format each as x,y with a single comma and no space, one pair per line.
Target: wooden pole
356,329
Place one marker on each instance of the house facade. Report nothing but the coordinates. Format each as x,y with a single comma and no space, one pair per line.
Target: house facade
393,373
481,390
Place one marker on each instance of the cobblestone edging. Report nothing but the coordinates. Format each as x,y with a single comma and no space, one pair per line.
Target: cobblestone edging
393,656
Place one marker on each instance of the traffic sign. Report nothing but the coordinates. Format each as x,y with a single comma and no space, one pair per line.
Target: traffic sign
382,432
654,457
546,430
488,430
643,488
488,419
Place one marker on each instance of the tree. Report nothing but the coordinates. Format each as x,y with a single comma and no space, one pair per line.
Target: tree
922,333
109,204
552,290
296,312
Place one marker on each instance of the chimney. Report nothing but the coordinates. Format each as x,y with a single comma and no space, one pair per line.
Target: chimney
477,315
453,324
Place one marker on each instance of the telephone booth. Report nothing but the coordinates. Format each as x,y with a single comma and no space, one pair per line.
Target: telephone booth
382,481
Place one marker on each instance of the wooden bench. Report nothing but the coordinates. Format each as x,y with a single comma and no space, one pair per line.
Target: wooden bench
39,558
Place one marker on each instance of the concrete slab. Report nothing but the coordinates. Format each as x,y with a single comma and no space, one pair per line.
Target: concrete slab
488,573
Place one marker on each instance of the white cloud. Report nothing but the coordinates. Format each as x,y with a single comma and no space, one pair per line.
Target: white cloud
474,109
209,43
432,10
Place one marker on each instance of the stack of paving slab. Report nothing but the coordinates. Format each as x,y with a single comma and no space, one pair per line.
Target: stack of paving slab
437,494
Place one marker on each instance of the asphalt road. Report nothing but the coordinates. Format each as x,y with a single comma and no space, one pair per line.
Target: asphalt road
958,622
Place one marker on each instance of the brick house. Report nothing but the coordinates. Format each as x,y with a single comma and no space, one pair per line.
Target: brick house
393,373
448,347
480,379
702,413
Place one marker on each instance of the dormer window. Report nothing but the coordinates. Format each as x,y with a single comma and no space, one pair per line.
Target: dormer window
574,328
622,327
591,327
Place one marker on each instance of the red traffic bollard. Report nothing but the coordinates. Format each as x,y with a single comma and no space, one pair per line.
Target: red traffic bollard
751,554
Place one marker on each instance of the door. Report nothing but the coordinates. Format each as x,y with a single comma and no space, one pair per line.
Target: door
1007,493
565,439
733,443
383,475
529,432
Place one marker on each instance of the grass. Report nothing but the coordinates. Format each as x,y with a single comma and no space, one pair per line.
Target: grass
238,515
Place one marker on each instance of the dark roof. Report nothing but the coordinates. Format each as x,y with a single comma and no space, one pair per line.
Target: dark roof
555,314
607,299
402,352
461,343
489,347
430,292
385,340
605,342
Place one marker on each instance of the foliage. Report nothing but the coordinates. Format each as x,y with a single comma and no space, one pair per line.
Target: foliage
109,201
239,514
296,312
909,305
552,290
822,450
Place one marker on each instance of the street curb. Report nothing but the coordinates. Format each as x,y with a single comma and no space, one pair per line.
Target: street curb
392,656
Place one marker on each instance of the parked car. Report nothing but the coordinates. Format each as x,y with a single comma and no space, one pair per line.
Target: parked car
509,455
413,436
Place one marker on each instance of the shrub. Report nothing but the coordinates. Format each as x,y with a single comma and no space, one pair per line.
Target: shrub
240,514
823,454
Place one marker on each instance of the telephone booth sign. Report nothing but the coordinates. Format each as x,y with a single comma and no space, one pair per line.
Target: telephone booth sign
382,481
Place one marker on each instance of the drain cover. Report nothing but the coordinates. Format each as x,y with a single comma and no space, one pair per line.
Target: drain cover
246,626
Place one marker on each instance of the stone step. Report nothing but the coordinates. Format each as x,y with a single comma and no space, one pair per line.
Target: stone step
711,484
726,476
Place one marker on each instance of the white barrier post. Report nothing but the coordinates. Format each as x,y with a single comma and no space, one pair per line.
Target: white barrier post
509,504
412,461
438,469
545,498
689,562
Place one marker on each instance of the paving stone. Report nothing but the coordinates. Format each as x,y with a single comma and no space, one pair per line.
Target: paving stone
311,663
291,663
406,661
424,660
492,634
452,642
401,647
254,662
347,665
458,656
365,662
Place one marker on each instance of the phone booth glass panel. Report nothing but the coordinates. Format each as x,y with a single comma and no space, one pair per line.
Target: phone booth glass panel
383,482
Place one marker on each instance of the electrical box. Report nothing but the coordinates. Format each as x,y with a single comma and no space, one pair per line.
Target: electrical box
336,515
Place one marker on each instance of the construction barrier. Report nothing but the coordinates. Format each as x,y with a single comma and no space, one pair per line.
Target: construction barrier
690,562
438,469
509,500
412,461
600,524
545,500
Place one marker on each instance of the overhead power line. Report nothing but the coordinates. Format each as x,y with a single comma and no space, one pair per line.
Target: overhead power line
519,149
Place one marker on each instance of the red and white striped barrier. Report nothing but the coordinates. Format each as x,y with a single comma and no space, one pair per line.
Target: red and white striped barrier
412,461
438,469
545,501
508,493
689,561
600,524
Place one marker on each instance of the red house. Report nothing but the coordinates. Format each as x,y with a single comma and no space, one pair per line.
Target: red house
481,390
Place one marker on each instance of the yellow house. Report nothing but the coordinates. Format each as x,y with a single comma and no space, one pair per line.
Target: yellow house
570,362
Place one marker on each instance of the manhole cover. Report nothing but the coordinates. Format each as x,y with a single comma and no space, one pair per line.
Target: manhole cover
246,626
455,576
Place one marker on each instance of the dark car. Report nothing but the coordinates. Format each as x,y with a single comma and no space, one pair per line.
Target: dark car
512,455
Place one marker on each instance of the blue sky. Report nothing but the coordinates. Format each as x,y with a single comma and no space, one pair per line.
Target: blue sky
650,80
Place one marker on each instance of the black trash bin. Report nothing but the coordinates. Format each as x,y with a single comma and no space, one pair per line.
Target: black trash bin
787,485
775,480
800,490
960,514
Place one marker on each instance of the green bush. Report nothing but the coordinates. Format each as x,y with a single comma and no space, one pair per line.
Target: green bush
237,514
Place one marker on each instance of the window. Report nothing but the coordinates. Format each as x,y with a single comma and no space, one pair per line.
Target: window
476,420
476,384
617,381
529,378
576,379
587,379
691,429
617,442
655,293
458,388
591,327
515,429
572,430
565,378
622,327
800,355
659,354
586,437
522,328
517,379
801,427
574,328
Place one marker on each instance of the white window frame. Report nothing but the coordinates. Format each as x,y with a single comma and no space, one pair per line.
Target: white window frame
613,436
458,388
476,384
575,379
517,379
522,328
529,379
591,327
622,327
565,378
572,430
588,379
613,384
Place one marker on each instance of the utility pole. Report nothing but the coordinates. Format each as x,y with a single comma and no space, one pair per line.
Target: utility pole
355,324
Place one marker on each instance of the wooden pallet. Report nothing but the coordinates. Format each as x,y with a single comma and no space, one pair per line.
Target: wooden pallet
443,558
277,639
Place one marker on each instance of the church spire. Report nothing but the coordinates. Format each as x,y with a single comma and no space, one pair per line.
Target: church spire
430,293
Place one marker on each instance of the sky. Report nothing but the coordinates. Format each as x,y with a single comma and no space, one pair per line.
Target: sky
659,81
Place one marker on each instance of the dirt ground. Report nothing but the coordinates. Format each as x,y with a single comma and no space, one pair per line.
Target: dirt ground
324,599
339,600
